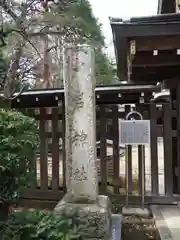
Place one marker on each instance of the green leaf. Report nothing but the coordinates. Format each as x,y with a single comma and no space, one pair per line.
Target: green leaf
18,140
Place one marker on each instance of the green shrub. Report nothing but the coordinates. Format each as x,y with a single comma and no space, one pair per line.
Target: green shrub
38,225
18,141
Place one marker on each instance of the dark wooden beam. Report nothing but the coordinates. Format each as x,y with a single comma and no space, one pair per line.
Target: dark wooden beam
157,43
158,74
171,83
114,94
163,59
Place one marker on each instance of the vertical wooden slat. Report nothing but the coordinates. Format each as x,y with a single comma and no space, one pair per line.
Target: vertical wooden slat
122,68
178,135
141,171
115,130
43,151
129,153
55,150
103,160
175,151
130,178
141,158
63,146
167,130
154,152
33,159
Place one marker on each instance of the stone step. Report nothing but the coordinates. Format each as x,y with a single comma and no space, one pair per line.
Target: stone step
167,220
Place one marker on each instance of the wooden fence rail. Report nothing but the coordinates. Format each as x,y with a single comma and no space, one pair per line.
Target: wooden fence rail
49,162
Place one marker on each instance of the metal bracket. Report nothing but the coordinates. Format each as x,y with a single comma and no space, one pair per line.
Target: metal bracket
132,113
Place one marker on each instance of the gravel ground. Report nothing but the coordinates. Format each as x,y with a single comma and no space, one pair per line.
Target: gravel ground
139,228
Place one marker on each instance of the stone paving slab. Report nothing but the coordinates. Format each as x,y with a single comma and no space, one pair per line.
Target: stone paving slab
143,212
167,219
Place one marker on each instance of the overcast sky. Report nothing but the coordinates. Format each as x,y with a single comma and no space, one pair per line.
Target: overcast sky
103,9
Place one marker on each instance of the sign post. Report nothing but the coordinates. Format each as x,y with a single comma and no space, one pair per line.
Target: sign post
135,132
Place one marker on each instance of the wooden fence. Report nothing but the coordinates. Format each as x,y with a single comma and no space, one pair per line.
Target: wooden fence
49,161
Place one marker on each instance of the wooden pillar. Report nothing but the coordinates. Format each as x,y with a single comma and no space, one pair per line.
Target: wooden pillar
178,136
174,86
174,141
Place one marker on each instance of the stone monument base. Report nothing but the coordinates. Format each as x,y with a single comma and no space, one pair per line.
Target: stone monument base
94,218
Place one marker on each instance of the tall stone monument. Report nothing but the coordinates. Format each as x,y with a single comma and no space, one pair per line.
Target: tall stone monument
81,171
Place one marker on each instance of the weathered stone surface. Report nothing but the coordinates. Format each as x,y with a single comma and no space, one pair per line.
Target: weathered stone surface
79,82
81,172
95,218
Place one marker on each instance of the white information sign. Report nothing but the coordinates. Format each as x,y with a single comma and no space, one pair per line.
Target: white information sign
134,132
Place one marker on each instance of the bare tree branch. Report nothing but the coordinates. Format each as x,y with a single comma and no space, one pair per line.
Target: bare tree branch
5,5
